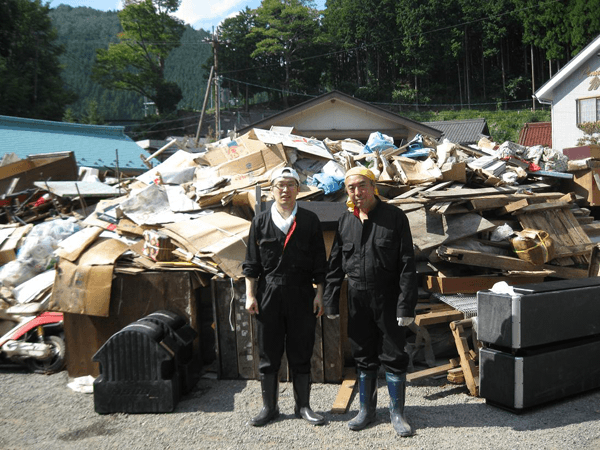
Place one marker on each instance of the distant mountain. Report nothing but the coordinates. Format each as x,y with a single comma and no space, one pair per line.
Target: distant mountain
82,30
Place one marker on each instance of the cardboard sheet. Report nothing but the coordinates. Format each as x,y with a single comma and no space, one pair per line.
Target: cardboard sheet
84,286
219,236
312,147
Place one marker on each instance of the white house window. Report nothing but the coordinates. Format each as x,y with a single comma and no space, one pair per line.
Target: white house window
588,110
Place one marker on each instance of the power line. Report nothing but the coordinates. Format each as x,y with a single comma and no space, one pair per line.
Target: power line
379,43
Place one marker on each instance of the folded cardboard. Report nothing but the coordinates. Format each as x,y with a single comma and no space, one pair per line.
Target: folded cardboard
84,286
220,237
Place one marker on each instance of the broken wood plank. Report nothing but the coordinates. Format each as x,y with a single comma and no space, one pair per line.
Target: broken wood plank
344,395
431,230
432,318
431,372
473,284
462,193
498,201
507,263
456,376
592,229
575,250
513,206
467,356
594,267
411,192
440,208
432,307
543,207
438,186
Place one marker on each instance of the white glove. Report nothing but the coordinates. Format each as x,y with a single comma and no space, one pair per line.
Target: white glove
405,321
333,316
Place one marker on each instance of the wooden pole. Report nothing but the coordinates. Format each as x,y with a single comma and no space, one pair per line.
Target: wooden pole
206,95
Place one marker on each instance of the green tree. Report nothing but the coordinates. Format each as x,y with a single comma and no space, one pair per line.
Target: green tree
92,116
69,116
30,83
137,62
234,57
285,30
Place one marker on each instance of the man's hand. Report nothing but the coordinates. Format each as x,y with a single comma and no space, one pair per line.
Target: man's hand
318,307
251,305
405,321
251,302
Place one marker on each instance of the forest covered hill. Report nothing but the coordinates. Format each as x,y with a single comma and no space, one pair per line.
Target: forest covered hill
82,30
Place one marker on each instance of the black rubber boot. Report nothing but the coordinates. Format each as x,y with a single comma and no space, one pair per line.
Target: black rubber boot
397,389
367,385
270,393
301,382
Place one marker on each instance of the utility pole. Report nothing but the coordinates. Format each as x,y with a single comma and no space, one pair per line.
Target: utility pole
214,41
532,79
206,95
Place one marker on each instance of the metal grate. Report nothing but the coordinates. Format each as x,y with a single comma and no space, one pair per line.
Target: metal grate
467,304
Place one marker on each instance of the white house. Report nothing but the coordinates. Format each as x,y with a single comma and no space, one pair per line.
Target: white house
574,95
336,115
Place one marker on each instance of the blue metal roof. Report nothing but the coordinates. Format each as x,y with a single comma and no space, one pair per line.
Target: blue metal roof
93,145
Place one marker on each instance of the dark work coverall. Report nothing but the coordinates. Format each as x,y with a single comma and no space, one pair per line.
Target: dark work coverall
285,292
378,257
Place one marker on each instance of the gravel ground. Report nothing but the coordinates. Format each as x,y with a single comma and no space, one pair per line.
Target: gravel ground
41,412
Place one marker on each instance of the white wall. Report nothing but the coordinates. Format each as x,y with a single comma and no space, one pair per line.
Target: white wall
564,109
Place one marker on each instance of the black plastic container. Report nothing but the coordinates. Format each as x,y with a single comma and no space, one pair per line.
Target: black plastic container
138,372
178,335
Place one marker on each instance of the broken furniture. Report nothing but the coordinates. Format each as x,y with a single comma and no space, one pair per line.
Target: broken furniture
469,357
540,343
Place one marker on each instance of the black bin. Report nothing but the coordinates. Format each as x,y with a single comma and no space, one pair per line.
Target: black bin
180,336
144,367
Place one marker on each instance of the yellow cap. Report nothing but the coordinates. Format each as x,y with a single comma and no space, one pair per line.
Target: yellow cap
359,170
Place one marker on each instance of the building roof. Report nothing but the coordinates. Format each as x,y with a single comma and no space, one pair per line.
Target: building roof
545,94
94,146
463,132
538,133
336,115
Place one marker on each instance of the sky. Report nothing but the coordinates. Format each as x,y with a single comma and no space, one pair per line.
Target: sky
204,14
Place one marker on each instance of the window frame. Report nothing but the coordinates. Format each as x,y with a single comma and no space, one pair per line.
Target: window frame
596,109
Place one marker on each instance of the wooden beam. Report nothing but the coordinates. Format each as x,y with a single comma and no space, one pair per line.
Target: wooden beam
342,400
432,318
543,207
507,263
479,192
432,372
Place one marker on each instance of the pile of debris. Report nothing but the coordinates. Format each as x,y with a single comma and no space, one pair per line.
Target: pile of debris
480,207
479,214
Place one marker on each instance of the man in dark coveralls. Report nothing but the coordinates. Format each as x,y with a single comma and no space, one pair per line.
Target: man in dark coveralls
373,247
285,256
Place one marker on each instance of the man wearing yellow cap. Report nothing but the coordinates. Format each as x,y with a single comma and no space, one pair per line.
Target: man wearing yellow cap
373,247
